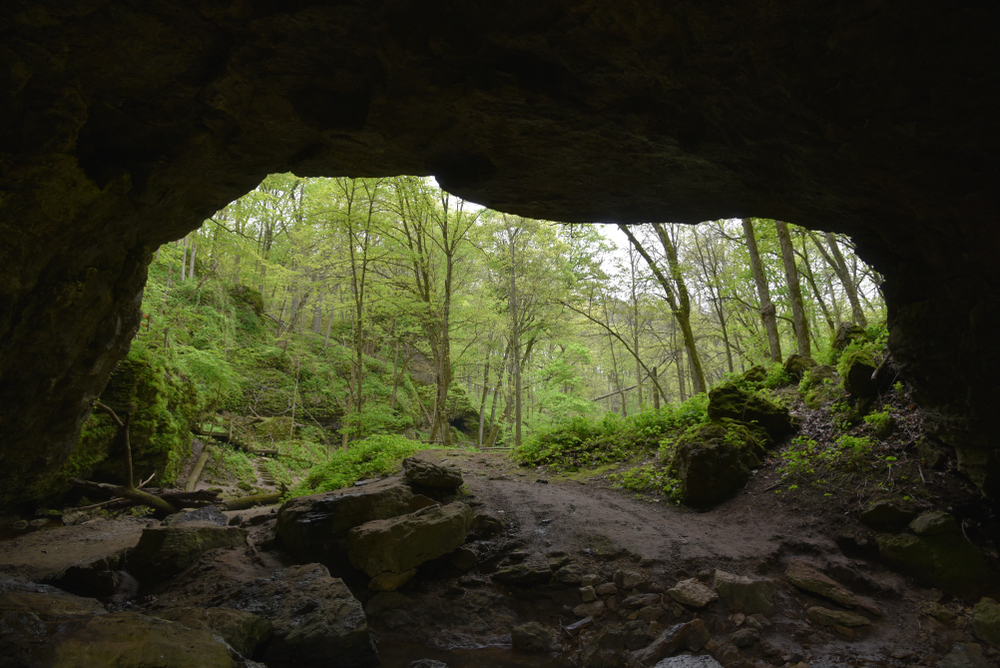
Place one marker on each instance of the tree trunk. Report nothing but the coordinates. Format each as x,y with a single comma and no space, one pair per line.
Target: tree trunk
799,320
767,310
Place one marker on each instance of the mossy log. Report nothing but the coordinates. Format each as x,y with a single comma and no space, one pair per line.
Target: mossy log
246,502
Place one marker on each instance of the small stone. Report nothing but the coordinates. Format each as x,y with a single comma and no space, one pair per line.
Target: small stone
587,594
641,600
807,577
936,523
390,581
628,579
532,637
570,574
745,637
688,661
738,619
843,631
941,613
578,626
827,617
592,609
692,593
606,589
590,579
964,655
464,559
651,613
986,621
739,593
728,653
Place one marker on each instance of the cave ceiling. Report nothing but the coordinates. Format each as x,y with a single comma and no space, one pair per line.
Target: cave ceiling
124,124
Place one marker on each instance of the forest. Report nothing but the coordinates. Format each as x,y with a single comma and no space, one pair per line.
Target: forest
318,316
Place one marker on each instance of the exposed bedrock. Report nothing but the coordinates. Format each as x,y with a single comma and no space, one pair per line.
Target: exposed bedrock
123,125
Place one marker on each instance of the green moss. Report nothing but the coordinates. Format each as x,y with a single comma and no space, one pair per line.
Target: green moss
371,457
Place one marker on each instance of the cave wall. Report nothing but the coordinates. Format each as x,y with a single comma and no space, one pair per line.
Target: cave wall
124,124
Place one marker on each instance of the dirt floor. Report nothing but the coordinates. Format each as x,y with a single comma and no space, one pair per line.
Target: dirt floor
605,530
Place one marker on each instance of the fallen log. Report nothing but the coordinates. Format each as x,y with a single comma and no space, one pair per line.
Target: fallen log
247,502
129,492
196,471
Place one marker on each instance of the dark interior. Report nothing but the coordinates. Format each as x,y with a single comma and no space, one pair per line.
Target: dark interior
124,124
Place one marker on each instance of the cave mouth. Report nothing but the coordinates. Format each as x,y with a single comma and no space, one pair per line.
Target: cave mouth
879,125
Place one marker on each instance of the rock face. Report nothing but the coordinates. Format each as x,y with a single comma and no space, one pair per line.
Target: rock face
557,111
315,527
243,631
315,618
123,639
402,543
163,552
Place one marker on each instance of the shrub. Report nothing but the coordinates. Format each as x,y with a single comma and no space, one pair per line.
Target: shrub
373,456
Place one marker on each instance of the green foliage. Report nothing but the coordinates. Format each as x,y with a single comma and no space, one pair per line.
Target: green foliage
582,442
777,377
882,422
806,456
374,456
646,479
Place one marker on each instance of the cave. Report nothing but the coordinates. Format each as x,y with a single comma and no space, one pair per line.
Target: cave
125,125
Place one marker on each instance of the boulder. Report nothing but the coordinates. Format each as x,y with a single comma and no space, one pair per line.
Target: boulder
743,594
714,462
532,637
165,551
848,333
99,577
315,527
401,543
121,639
807,577
429,474
22,596
692,593
208,514
828,617
731,401
889,515
688,661
315,618
244,631
691,636
965,655
986,621
936,523
948,562
755,374
858,370
606,649
798,366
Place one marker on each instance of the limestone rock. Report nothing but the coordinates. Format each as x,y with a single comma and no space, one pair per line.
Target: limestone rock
532,637
965,655
207,514
828,617
798,366
124,639
948,562
587,594
730,401
715,461
637,634
691,636
628,580
523,575
639,600
606,649
165,551
746,637
592,609
486,525
986,621
606,589
688,661
315,527
692,593
244,631
806,576
315,618
570,574
649,613
888,515
98,576
21,596
390,581
401,543
429,474
935,523
743,594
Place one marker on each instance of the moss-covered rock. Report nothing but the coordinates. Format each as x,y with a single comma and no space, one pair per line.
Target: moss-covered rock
848,333
986,621
731,401
947,561
755,374
713,461
798,366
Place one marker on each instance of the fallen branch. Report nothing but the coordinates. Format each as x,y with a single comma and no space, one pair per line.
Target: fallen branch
247,502
196,471
129,492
